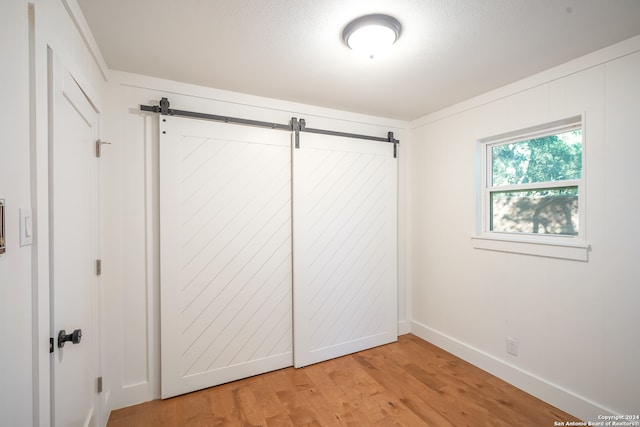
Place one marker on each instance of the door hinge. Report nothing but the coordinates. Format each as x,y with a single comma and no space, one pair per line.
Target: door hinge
98,267
99,384
99,144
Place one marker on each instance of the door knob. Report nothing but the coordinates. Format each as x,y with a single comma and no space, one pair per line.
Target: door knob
74,337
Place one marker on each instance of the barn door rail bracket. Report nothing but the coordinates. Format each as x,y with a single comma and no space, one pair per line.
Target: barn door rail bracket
295,125
395,143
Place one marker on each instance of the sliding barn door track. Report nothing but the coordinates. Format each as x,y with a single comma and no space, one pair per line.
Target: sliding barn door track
295,125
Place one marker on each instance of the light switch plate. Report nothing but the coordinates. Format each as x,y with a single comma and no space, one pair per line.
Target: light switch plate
26,227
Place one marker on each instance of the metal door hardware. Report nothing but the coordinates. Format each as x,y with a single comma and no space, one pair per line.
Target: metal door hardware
74,337
295,125
99,144
2,242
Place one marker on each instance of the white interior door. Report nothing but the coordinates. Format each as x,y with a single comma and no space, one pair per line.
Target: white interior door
225,247
345,246
73,250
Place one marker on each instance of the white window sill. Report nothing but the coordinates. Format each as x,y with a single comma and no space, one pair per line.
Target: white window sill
555,247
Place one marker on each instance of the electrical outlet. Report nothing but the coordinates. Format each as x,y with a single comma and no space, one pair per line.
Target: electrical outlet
512,346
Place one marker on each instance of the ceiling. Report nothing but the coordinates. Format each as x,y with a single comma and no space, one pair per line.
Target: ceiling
449,50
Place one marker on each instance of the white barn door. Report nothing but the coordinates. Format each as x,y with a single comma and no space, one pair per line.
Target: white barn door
225,231
345,246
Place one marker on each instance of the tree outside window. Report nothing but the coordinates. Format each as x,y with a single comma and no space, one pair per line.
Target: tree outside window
533,185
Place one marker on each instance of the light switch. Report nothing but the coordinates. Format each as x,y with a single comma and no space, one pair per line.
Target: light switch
26,227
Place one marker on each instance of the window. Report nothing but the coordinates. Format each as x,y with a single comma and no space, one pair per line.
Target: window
531,190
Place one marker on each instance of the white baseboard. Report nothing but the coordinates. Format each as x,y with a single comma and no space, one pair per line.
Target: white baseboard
134,394
404,327
544,390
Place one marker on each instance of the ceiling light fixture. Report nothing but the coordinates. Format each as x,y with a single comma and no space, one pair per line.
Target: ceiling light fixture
371,34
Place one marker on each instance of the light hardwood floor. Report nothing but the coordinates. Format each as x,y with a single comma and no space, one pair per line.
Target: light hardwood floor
407,383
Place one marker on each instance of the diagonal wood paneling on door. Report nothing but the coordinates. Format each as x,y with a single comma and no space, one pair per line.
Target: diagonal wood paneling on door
345,247
225,253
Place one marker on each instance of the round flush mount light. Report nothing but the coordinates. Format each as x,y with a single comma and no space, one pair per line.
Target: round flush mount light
371,34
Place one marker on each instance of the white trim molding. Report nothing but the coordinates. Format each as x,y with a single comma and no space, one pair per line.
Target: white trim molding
82,27
570,249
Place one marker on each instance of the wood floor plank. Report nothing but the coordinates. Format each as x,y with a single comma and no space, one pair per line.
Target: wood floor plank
439,404
407,383
249,411
334,401
268,401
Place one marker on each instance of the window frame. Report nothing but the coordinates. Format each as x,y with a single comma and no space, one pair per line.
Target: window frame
573,247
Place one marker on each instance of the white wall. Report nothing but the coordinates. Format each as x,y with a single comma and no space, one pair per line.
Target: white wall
576,322
15,264
24,289
132,303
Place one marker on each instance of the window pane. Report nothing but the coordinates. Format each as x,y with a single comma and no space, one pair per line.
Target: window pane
547,211
550,158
